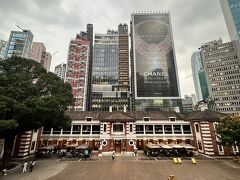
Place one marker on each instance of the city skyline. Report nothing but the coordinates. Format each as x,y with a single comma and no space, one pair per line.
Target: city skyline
62,20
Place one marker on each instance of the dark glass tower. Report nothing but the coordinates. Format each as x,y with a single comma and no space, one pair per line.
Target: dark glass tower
154,71
110,71
90,39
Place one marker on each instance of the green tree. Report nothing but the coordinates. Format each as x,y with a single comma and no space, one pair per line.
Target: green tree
228,130
30,97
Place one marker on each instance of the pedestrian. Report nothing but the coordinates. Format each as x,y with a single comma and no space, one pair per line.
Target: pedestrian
25,167
113,156
31,165
4,171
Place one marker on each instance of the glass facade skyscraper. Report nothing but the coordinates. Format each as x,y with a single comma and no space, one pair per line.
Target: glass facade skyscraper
19,44
109,91
199,78
105,58
231,11
154,71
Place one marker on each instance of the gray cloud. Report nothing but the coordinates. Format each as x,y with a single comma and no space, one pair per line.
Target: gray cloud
55,22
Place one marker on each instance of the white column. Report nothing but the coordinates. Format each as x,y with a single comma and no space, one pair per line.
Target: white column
71,129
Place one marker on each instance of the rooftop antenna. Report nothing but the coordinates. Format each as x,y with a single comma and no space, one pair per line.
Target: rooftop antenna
19,27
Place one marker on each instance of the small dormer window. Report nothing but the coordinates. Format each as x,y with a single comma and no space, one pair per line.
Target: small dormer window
146,119
88,118
172,118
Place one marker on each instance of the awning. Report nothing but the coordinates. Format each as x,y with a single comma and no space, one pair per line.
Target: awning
165,146
82,146
176,146
72,145
188,146
153,146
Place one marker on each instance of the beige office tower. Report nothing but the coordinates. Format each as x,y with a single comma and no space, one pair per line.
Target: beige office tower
40,54
221,66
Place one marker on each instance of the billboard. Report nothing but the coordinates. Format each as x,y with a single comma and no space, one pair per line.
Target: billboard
154,59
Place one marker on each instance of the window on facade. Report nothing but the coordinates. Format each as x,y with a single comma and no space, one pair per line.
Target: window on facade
220,148
235,149
197,127
168,129
56,130
76,129
177,129
172,118
104,128
158,129
149,129
46,130
67,130
130,127
146,119
186,129
139,129
117,127
33,145
88,119
86,129
96,129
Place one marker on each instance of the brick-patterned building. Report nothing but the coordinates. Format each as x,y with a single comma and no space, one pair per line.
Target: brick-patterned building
124,132
77,70
25,144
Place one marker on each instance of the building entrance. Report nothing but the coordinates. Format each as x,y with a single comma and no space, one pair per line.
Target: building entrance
117,146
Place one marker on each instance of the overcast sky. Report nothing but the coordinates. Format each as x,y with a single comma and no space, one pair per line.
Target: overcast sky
55,22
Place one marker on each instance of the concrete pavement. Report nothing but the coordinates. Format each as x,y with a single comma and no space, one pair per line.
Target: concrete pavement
130,168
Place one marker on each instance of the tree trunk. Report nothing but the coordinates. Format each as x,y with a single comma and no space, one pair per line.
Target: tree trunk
8,145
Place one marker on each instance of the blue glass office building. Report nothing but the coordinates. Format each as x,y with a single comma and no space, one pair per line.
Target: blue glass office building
19,44
231,11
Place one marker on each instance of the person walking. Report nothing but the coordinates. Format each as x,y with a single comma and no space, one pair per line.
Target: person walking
25,167
113,156
4,171
31,165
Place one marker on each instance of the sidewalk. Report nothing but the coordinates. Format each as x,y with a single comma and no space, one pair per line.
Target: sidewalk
42,170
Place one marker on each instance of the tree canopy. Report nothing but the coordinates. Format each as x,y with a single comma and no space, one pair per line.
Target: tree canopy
228,130
31,97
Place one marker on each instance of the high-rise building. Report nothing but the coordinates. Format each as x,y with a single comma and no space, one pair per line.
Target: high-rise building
199,79
39,54
187,103
90,39
153,64
3,45
89,35
77,70
123,55
19,44
60,71
109,92
231,11
221,64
